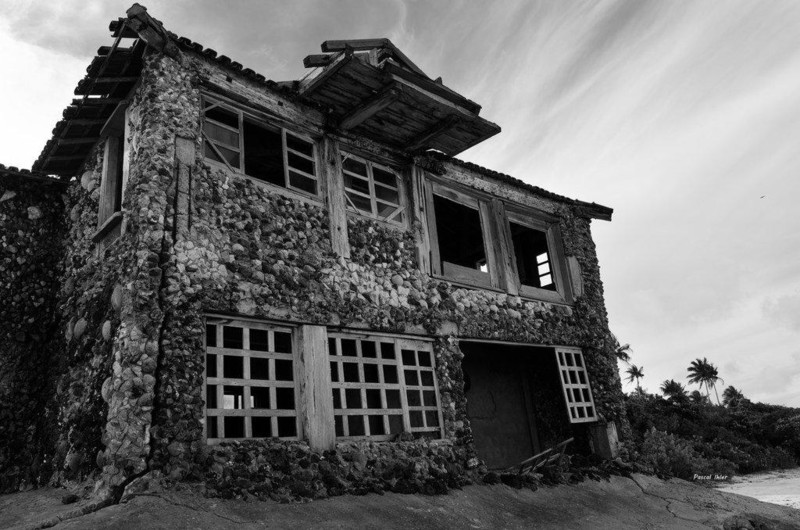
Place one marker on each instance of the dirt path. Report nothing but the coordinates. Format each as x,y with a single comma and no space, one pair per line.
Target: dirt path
620,503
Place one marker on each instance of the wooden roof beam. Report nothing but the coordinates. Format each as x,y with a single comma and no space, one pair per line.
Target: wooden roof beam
318,59
370,107
151,31
309,85
428,136
369,44
77,141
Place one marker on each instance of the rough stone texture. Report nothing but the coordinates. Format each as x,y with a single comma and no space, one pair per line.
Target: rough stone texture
129,392
31,235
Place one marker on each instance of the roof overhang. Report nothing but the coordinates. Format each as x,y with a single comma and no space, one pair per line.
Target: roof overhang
369,88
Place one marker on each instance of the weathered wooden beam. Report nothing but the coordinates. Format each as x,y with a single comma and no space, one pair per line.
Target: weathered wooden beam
425,138
309,85
319,59
432,86
337,210
151,31
77,141
96,102
355,44
369,44
115,124
313,373
65,158
370,107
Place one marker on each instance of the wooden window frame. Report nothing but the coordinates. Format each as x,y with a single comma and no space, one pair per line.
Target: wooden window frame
241,114
575,384
452,271
219,351
402,206
400,344
495,215
558,263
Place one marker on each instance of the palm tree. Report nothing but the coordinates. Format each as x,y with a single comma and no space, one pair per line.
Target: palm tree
732,397
622,351
703,373
697,397
673,390
635,373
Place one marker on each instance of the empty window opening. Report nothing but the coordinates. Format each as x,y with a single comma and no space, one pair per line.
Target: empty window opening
267,153
534,263
250,387
382,387
460,234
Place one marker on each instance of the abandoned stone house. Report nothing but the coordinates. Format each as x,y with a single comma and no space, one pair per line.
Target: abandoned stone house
207,271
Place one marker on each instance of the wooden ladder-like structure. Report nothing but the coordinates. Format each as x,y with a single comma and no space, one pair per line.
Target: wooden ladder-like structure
546,457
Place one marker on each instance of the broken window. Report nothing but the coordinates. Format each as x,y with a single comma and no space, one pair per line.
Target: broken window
250,383
461,253
575,383
268,153
371,189
532,255
383,386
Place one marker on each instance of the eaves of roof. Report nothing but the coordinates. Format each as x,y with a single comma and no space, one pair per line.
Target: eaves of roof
592,209
12,173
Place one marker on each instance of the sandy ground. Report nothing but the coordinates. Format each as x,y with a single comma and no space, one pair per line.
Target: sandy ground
639,503
778,487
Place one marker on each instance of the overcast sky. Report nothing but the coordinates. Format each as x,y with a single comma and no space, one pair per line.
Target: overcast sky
682,116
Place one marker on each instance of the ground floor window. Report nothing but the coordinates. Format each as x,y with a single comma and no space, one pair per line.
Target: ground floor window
383,386
575,383
250,381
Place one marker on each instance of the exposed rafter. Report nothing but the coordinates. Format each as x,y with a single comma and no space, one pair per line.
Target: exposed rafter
370,107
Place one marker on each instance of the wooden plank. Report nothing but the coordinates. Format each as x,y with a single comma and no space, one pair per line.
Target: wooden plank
504,250
437,130
77,141
110,181
318,59
368,108
432,86
307,86
337,209
353,44
184,161
465,275
315,388
115,124
419,219
433,236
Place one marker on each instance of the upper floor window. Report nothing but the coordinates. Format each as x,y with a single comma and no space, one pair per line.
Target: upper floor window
371,189
269,153
479,241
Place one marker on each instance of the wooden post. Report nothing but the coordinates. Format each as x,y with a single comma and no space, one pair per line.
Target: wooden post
315,400
419,219
504,251
184,160
332,175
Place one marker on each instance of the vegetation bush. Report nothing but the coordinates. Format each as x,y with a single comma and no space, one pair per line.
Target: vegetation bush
680,437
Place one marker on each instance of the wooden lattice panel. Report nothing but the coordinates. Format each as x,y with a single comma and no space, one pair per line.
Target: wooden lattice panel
250,382
382,387
575,382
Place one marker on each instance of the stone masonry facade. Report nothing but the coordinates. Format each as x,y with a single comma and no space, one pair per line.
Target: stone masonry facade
103,359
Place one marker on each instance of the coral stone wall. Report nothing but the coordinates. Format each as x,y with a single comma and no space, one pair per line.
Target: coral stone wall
128,392
31,232
248,249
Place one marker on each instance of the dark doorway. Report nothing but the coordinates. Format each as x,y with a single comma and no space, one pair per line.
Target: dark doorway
514,401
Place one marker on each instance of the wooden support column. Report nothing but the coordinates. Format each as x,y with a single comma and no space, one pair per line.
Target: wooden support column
315,401
420,219
337,209
504,251
184,160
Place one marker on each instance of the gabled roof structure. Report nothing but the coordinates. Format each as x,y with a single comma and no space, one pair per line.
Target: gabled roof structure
373,89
